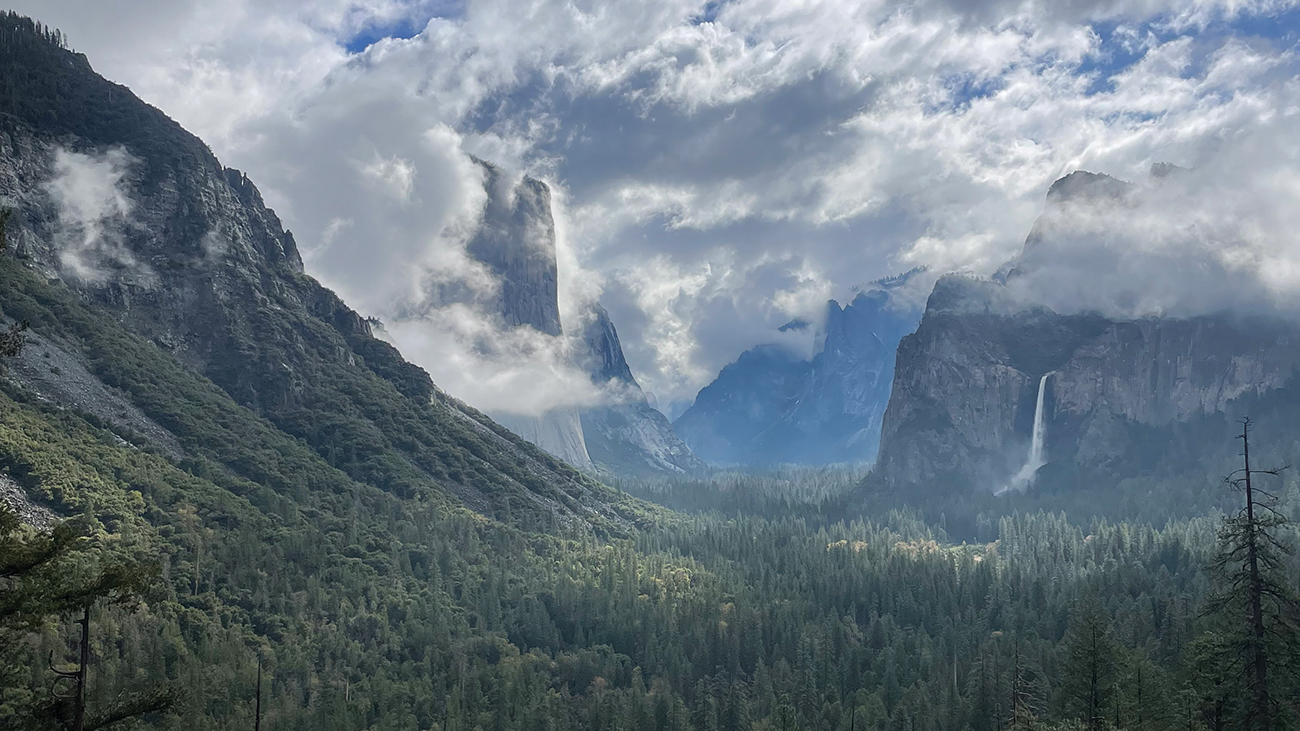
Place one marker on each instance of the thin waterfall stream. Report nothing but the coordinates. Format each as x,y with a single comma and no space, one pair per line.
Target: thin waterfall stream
1037,450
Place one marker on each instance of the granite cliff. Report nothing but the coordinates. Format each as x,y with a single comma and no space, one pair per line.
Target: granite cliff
1120,396
771,406
132,223
625,436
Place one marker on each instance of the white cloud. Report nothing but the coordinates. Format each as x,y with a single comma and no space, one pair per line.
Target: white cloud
716,178
515,371
1217,238
94,211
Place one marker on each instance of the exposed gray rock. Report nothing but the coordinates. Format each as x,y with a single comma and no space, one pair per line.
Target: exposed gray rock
772,406
516,240
15,498
629,436
558,431
55,374
966,383
961,412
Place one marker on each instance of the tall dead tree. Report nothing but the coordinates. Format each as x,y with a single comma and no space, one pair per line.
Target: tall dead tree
1254,588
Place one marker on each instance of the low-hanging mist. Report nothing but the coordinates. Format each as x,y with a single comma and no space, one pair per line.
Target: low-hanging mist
1221,237
93,213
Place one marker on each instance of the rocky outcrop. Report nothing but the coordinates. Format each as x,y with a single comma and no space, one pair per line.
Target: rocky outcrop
771,406
628,436
115,201
516,241
1116,393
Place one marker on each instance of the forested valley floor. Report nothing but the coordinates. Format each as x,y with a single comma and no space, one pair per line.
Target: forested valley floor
755,611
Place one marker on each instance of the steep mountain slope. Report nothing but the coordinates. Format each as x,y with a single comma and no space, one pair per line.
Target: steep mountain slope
1120,397
629,436
771,406
116,201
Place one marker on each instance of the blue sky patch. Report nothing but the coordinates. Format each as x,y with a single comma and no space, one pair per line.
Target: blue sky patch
407,27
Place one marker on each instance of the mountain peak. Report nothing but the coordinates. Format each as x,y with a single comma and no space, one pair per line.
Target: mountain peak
773,405
1082,185
605,360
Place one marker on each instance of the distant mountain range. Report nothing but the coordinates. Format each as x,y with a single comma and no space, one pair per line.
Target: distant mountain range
772,406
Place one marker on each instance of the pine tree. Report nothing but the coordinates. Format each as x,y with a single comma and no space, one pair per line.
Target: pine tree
65,571
1091,662
1254,599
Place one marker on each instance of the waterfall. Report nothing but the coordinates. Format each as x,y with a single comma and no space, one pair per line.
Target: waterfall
1037,453
1040,429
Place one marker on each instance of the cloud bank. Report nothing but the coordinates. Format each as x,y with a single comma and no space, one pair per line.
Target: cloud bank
1222,237
726,167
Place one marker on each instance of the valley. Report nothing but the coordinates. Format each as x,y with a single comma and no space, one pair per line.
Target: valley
984,507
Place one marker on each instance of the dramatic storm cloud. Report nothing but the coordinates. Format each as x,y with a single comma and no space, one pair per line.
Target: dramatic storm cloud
724,167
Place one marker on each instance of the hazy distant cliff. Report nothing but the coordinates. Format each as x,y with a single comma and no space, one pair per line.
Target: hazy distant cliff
772,406
966,383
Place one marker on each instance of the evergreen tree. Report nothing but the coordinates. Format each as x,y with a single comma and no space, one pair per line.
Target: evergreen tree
1255,601
46,575
1091,661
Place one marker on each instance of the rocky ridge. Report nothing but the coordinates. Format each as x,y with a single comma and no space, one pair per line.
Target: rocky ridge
772,406
1117,391
185,254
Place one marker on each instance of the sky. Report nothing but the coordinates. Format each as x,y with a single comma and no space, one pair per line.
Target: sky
721,168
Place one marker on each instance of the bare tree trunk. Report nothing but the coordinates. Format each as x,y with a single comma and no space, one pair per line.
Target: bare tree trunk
1260,701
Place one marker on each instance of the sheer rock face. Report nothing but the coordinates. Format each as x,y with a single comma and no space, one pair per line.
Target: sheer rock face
772,406
516,240
966,384
186,254
558,432
629,436
961,413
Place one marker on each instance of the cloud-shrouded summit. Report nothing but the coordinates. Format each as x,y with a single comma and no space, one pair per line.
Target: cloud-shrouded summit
720,169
